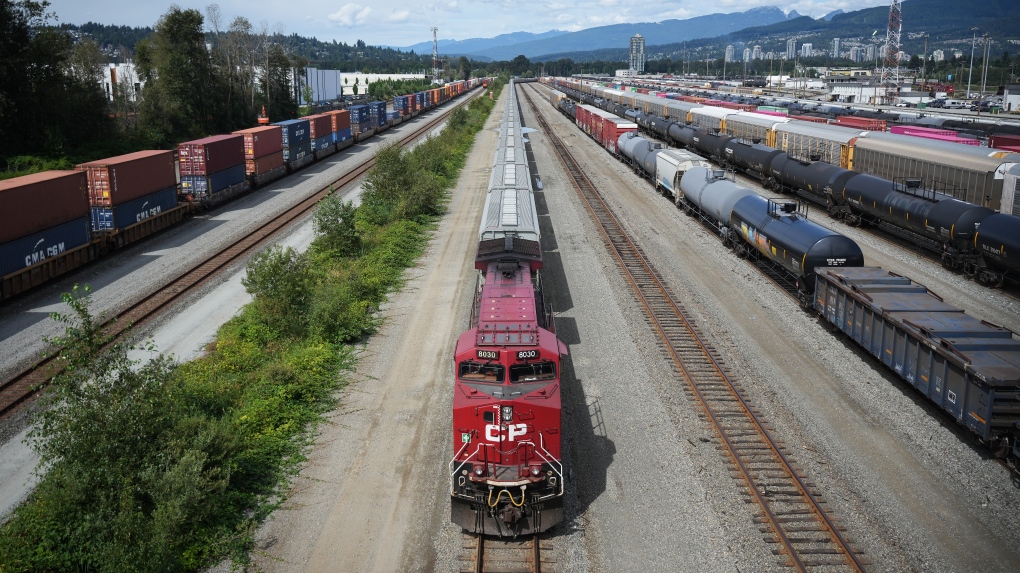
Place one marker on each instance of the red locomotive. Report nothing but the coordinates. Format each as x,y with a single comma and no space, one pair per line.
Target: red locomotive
507,474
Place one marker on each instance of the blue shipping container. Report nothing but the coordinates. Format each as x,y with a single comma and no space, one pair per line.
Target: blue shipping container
377,109
323,142
392,114
343,135
297,152
295,131
359,113
420,98
37,247
202,186
136,211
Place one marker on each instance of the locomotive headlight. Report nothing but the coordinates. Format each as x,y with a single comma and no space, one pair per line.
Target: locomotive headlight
508,413
479,471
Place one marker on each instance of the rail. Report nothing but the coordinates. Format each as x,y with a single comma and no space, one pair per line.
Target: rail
794,515
24,385
489,555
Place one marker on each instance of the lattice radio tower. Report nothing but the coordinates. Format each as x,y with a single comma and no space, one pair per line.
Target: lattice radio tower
891,62
436,70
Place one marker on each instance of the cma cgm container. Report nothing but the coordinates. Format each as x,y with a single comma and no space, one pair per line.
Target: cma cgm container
40,246
295,132
264,165
320,125
210,155
205,185
340,120
359,113
297,152
40,201
261,141
126,214
127,177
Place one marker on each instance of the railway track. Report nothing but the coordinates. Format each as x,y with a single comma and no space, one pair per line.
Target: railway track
23,386
490,555
792,514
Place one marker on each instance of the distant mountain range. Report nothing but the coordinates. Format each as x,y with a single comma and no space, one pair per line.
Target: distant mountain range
508,46
473,45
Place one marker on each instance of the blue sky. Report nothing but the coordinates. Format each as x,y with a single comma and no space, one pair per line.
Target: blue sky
406,22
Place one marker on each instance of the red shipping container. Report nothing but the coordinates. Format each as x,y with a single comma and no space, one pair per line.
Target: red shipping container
1002,141
340,120
37,202
126,177
865,123
263,165
261,141
320,125
210,155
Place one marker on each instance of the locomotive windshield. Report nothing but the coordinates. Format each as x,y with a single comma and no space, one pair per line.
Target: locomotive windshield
478,372
532,372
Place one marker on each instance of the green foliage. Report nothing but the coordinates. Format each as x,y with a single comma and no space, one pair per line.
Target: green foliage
334,221
279,280
386,89
47,104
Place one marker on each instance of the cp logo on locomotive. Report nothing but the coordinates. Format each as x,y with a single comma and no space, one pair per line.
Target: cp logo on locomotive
492,432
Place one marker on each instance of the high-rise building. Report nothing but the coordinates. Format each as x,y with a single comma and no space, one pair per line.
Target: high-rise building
747,54
938,55
856,54
835,47
729,53
869,52
791,49
806,50
756,53
637,53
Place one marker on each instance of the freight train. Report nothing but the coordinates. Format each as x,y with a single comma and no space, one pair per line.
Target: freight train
506,476
56,221
968,368
968,237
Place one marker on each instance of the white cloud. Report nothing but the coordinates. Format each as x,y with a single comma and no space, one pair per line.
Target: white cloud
400,16
351,15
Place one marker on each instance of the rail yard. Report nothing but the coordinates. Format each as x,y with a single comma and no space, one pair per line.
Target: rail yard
708,422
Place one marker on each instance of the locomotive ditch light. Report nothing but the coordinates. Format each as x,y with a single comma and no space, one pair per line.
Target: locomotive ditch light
536,471
479,471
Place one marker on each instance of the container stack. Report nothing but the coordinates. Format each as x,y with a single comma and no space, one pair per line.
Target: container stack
45,216
400,105
412,104
321,132
419,101
377,114
360,121
340,122
392,117
263,153
212,169
126,190
297,142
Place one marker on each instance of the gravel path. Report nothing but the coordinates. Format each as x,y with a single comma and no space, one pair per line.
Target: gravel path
912,491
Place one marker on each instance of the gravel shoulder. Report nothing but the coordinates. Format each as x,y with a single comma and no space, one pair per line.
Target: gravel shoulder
897,473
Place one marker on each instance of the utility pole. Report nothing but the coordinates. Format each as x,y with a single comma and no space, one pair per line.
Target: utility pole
984,74
435,54
970,74
924,63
